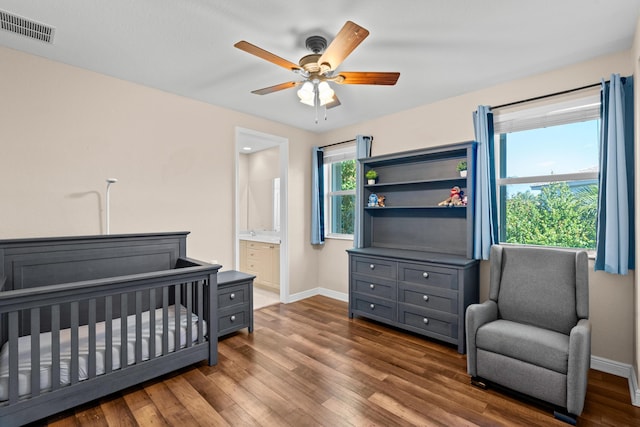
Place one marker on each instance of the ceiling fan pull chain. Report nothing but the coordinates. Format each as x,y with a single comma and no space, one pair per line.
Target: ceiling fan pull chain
316,100
325,112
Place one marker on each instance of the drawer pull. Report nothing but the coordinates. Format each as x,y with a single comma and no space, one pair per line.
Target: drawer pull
232,318
372,266
232,296
425,275
372,306
425,321
372,286
425,297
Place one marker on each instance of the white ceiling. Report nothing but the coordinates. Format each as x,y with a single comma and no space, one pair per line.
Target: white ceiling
442,48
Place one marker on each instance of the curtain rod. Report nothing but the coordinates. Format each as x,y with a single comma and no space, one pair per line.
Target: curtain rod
338,143
342,142
537,98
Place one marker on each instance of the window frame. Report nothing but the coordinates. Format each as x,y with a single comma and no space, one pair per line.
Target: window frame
332,156
555,111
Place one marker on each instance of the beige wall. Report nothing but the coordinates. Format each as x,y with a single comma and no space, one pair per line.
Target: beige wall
65,130
450,121
635,59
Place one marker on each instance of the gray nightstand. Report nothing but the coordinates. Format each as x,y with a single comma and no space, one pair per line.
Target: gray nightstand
235,301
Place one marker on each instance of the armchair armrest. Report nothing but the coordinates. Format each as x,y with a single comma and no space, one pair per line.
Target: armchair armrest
476,316
578,368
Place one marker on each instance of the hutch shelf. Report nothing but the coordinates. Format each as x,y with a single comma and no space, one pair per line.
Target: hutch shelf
414,270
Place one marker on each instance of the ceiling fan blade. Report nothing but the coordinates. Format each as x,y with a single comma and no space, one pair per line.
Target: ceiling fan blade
349,37
334,102
367,78
266,55
271,89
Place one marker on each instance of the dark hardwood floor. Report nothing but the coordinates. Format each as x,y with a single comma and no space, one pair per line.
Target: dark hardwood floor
308,364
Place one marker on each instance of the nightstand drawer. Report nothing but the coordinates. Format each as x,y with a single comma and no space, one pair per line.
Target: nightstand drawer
425,274
374,267
445,300
431,321
383,288
374,307
233,320
234,295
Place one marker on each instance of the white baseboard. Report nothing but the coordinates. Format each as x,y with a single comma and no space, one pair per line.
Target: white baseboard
340,296
601,364
623,370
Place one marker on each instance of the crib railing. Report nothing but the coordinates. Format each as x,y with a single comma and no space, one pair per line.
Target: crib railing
110,303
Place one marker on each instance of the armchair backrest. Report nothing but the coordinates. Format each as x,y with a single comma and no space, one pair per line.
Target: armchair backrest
544,287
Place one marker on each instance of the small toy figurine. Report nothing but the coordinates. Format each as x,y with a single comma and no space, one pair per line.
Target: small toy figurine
455,198
381,200
373,200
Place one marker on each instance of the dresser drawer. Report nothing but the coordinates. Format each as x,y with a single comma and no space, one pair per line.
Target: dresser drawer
425,274
374,307
230,296
232,320
431,321
374,267
376,286
445,300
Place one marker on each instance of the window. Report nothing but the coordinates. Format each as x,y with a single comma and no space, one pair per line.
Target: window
340,191
547,173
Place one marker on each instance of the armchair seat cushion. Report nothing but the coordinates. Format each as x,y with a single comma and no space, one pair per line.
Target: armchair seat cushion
541,347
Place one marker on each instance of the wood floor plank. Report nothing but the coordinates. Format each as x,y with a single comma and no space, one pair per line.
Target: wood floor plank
308,364
197,406
116,411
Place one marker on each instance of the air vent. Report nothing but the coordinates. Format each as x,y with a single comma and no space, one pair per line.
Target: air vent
26,27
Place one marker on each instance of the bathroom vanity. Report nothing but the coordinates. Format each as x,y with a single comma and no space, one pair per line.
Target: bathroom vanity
260,256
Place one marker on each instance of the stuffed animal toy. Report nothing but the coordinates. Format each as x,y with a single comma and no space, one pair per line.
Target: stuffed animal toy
455,198
381,201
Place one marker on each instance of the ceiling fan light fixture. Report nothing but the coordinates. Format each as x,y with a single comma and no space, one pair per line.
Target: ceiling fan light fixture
307,94
325,93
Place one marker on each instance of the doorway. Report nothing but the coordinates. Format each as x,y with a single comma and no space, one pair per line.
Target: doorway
262,220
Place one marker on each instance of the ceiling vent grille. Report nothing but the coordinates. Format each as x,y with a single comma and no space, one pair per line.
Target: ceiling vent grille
26,27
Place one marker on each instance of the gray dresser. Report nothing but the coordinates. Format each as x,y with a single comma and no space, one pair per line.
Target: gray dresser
235,301
415,270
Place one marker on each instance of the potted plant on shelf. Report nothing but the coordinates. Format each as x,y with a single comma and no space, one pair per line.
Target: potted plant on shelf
462,168
371,176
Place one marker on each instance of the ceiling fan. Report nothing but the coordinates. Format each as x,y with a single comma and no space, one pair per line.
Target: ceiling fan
319,68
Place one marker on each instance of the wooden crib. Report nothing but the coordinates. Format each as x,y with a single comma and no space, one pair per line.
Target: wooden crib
83,317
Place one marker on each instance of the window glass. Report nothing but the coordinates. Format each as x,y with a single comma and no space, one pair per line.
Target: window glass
340,192
548,184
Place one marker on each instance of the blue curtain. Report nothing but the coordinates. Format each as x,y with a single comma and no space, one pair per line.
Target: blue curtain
485,229
363,150
615,248
317,196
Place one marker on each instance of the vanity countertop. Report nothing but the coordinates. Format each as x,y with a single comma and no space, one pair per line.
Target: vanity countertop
260,237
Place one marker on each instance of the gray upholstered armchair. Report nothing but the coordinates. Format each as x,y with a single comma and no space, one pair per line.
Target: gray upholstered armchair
533,334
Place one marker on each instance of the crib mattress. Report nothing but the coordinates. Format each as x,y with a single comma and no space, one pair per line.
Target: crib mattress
24,349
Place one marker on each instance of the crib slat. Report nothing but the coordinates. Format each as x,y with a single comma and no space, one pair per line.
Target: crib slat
108,334
55,347
75,324
35,352
138,342
124,357
152,324
165,320
13,356
176,324
200,311
92,338
189,337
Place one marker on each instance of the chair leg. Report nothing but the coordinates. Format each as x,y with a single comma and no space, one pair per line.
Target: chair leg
477,382
565,417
